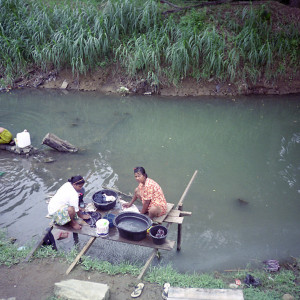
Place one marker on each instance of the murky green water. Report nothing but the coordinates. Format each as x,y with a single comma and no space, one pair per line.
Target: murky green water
245,148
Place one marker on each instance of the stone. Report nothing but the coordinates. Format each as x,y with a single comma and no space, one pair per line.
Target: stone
73,289
64,85
198,293
287,297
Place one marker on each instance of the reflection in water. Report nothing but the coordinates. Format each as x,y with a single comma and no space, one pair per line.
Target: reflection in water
244,149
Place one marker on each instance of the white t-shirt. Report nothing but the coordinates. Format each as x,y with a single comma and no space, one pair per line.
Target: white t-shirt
65,195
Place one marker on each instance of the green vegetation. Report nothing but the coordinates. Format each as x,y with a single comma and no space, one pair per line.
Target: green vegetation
227,44
273,285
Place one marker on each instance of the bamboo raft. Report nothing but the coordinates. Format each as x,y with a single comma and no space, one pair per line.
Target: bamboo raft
173,216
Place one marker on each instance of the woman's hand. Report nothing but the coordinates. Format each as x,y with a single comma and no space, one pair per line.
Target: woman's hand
126,205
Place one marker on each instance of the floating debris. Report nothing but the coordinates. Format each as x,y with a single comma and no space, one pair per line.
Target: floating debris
242,202
49,160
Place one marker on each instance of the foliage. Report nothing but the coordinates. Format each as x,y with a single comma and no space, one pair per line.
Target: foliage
199,43
168,274
104,266
273,285
10,254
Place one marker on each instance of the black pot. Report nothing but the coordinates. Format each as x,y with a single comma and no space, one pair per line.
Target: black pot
102,204
158,239
132,226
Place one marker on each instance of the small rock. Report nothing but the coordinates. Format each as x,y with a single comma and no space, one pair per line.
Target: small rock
79,290
64,85
287,297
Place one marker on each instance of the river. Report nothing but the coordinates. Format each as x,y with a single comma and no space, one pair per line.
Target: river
243,148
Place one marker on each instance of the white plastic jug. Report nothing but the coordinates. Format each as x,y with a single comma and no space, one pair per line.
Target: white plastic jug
102,227
23,139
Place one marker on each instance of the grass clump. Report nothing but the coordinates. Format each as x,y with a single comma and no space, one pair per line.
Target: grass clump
9,253
249,43
106,267
161,275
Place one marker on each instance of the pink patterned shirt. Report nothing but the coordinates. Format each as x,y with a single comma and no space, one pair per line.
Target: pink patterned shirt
153,192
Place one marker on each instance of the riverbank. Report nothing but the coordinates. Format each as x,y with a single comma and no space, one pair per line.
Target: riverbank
236,48
35,280
113,79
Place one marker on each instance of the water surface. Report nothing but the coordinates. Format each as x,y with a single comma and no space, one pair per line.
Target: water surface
244,148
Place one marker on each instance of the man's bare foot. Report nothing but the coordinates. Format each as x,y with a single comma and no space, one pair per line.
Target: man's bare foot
75,225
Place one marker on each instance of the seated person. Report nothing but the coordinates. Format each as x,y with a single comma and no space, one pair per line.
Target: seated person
150,193
6,137
63,206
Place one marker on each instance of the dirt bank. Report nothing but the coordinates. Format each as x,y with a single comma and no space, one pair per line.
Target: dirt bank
35,281
110,80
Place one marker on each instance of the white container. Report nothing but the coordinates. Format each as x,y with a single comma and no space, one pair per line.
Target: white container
23,139
102,227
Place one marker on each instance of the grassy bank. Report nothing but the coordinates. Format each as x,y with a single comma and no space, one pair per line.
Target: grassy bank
273,285
228,42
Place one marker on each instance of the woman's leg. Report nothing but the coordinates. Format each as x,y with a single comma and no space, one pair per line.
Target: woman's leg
72,214
154,211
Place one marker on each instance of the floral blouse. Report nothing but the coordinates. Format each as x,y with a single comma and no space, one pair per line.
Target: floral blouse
153,192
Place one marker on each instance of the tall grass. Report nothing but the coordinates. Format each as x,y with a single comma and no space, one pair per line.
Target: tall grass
82,36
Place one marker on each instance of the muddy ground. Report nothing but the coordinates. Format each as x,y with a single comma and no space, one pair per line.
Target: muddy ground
110,80
35,281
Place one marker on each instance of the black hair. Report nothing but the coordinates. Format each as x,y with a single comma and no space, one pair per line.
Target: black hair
141,170
77,180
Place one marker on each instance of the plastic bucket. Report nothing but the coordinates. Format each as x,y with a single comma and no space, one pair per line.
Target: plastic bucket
157,238
110,218
23,139
102,227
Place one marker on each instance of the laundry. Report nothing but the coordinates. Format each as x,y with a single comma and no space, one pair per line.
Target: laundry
272,265
94,217
132,208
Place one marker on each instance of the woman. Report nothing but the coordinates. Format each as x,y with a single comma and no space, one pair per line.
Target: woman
63,206
150,193
5,136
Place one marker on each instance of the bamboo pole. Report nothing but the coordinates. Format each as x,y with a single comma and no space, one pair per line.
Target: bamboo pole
154,253
82,252
186,190
179,207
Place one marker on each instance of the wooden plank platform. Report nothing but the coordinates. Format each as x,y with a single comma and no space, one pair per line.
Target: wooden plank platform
114,236
162,218
176,293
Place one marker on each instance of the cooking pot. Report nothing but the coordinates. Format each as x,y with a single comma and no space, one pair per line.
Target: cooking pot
132,226
100,201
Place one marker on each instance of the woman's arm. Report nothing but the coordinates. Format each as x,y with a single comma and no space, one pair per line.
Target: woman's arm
145,206
131,202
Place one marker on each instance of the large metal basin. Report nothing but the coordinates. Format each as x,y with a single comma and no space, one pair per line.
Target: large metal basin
132,226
